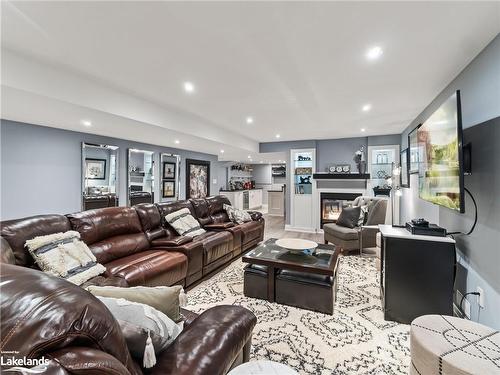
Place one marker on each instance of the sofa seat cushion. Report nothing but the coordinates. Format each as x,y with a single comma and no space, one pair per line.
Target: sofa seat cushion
215,245
209,344
250,231
343,233
150,268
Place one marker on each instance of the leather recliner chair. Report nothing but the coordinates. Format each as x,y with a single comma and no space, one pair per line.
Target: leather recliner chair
44,316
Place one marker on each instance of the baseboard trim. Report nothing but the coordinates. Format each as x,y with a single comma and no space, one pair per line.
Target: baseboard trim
299,229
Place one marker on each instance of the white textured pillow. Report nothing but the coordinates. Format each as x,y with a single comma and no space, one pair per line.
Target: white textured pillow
184,223
64,255
147,331
237,216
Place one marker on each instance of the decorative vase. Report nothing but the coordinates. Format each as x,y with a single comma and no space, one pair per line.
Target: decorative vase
362,167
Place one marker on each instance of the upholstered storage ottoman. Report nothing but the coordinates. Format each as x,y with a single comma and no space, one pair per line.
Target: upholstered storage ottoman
255,283
441,344
305,290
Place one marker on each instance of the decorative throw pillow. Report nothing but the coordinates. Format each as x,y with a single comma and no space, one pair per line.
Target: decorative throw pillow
65,255
167,299
184,223
147,331
349,217
237,216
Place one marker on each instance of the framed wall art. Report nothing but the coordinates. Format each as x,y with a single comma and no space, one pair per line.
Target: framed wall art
198,178
95,169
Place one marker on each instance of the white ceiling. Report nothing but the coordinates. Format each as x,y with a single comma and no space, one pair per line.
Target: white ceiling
298,68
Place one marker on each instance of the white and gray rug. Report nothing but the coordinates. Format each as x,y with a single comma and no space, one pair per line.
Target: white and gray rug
354,340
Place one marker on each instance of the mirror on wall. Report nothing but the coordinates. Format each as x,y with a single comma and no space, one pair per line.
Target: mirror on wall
141,168
99,176
170,177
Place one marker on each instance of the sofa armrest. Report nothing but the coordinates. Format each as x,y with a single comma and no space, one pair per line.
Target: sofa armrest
210,344
79,360
188,316
171,242
226,225
368,235
255,215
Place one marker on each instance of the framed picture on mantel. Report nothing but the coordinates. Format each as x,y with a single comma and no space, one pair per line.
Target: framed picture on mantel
198,178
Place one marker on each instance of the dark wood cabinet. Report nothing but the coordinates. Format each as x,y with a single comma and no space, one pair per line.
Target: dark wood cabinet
416,275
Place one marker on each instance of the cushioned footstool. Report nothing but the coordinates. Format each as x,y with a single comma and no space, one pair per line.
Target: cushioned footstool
255,283
305,290
441,344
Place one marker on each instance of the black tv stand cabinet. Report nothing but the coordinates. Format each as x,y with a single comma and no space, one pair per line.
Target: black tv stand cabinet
416,274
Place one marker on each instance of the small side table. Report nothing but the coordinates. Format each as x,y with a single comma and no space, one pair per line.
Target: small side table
447,345
262,367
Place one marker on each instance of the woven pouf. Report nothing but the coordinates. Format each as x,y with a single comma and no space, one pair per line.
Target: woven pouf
447,345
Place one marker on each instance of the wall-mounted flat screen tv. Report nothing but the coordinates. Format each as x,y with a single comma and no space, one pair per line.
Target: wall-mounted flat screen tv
441,178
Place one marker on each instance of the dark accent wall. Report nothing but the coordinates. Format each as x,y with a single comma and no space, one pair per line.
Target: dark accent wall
41,168
479,253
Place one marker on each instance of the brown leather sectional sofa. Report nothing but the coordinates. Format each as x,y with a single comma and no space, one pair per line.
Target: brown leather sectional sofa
43,315
139,246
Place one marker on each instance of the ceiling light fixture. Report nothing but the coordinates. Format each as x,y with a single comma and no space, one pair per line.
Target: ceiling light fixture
189,87
86,123
374,53
221,151
366,107
249,156
249,120
363,130
261,162
278,136
177,141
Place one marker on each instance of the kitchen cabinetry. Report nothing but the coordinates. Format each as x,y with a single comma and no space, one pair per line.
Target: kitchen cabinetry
254,199
239,199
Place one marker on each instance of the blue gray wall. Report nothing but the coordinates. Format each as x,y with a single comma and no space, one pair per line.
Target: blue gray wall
41,168
479,253
329,151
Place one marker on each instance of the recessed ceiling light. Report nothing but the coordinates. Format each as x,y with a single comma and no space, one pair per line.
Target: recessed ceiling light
86,123
363,130
189,87
366,107
249,120
279,161
261,162
221,151
278,136
177,141
374,53
249,156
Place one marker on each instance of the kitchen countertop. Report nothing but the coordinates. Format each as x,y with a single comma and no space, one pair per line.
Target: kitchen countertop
232,191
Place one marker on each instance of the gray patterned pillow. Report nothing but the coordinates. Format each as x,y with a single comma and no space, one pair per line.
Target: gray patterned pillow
237,216
184,223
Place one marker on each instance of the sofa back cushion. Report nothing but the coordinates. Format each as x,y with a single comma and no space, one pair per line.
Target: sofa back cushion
200,206
17,232
110,233
216,208
42,314
169,207
150,219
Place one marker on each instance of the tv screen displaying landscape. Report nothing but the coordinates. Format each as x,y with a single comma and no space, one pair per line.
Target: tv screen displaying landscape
440,173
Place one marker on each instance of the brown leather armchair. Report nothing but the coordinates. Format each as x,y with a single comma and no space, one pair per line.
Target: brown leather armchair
50,317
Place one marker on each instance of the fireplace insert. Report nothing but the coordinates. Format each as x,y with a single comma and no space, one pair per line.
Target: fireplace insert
332,203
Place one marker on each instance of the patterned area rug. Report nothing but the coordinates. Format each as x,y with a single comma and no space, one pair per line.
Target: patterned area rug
354,340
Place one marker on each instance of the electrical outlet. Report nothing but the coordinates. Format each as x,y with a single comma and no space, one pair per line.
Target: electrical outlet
466,306
480,297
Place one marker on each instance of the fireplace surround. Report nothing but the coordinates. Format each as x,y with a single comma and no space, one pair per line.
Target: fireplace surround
332,203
